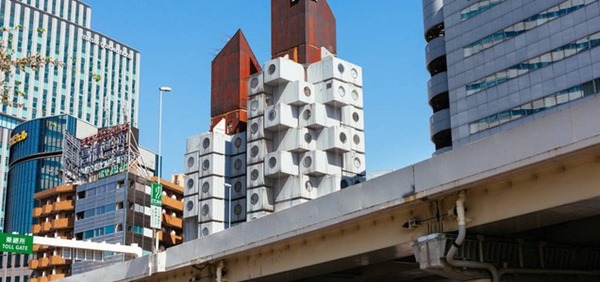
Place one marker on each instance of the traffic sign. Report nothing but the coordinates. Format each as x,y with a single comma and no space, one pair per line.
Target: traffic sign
14,243
156,199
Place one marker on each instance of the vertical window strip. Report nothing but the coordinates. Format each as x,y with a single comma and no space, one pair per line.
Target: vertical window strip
519,28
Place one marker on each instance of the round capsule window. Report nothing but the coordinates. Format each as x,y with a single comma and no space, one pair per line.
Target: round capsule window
254,151
354,95
191,161
205,210
237,186
341,91
308,137
272,68
254,82
356,139
308,186
307,114
189,205
205,231
307,161
354,73
254,174
341,68
254,127
190,183
205,164
237,209
272,162
357,162
206,143
307,91
237,142
237,164
254,105
205,187
355,117
343,138
272,115
254,199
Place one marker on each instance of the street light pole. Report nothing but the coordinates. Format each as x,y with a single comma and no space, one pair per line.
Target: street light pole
162,90
230,208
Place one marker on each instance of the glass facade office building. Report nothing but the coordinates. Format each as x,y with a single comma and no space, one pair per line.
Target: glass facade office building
497,64
36,164
98,82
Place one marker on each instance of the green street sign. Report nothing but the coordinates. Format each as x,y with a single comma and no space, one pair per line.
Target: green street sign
13,243
156,199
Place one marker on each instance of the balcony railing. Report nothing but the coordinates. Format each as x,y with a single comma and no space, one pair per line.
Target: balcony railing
44,262
63,206
62,223
46,226
172,221
57,260
34,264
172,203
46,209
37,212
36,228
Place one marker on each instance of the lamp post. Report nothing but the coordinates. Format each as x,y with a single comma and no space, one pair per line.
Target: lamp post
227,185
162,90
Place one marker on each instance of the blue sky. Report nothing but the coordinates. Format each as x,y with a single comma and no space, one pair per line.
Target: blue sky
179,39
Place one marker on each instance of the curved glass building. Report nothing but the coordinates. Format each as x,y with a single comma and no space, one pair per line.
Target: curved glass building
35,164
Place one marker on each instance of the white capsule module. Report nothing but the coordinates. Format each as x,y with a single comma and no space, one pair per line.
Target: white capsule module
191,184
257,86
237,145
334,68
212,164
296,93
333,92
191,162
238,187
257,105
212,187
208,228
354,163
211,210
256,130
256,176
329,184
259,199
281,71
190,206
213,143
296,140
353,117
358,140
296,187
281,164
315,163
316,116
238,211
193,143
280,117
257,150
236,165
335,139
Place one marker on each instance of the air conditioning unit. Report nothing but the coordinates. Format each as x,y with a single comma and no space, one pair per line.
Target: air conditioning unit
190,206
212,164
190,183
238,211
280,117
279,206
334,68
236,165
315,163
208,228
335,139
333,92
256,177
238,187
257,86
256,215
211,210
191,162
256,130
297,93
259,199
296,140
238,144
257,150
358,141
280,71
355,163
295,187
212,187
213,142
193,143
353,117
281,164
257,105
316,116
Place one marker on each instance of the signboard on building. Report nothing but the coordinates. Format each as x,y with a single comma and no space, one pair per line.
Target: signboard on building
105,153
156,205
14,243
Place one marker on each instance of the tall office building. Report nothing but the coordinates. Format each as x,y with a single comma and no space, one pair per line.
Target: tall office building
497,64
98,82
